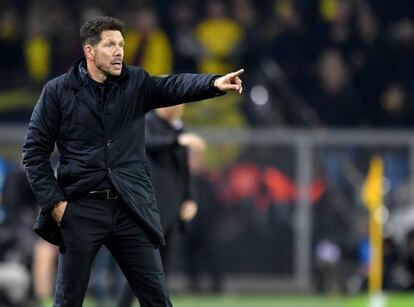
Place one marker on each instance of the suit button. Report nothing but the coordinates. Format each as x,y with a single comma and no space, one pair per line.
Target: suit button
108,142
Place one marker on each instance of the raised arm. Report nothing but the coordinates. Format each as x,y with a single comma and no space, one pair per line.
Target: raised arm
182,88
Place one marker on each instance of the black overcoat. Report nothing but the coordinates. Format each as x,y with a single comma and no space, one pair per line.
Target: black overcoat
67,115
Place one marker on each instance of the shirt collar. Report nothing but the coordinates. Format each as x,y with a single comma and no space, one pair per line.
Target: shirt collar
84,74
74,80
88,81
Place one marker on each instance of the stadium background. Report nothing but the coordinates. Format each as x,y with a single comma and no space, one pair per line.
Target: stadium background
283,221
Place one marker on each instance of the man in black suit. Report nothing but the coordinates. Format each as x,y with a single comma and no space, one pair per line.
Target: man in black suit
102,194
167,146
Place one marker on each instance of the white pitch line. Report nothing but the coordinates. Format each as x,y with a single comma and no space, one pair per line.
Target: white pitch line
378,300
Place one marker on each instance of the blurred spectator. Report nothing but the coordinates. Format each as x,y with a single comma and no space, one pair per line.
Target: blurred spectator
328,257
16,240
394,109
251,53
290,45
390,12
187,50
218,49
11,46
337,25
401,60
14,284
250,48
65,57
338,105
167,145
63,36
37,45
201,253
218,53
20,207
368,60
394,112
146,44
359,282
333,97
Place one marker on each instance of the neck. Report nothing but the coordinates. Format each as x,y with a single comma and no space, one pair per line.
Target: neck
95,73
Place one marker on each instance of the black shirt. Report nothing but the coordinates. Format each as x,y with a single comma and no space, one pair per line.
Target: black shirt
99,93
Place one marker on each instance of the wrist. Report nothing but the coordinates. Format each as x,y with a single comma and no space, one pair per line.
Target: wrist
214,88
213,82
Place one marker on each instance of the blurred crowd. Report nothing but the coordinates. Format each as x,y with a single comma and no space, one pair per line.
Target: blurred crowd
348,63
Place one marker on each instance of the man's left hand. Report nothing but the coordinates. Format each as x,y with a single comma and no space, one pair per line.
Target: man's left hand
188,210
230,82
192,140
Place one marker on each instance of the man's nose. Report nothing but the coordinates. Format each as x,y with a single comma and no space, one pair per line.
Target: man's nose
119,51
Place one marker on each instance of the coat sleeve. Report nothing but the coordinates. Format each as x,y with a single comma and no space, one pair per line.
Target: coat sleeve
179,88
38,146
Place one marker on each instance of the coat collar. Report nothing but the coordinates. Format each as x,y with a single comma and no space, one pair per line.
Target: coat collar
73,78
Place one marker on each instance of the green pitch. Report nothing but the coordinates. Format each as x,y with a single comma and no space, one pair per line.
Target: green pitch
392,300
254,300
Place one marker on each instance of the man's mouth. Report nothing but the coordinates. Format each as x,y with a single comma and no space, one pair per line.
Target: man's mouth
117,64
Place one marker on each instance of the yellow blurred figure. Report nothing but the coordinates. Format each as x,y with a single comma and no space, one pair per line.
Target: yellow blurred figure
147,46
329,9
219,36
37,53
372,195
37,47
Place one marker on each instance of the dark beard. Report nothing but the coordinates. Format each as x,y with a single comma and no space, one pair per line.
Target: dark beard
103,70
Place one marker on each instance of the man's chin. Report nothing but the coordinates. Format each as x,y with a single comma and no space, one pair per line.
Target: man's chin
116,72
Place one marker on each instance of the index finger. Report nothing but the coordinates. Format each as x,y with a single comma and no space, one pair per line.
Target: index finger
237,73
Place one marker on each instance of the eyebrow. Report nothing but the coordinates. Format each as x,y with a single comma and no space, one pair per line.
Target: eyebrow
107,40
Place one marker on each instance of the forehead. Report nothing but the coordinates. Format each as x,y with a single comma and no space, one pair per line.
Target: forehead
111,35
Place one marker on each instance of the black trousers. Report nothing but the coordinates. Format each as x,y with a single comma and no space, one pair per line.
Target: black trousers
127,295
87,225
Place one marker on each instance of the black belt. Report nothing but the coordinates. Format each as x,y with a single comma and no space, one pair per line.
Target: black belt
103,194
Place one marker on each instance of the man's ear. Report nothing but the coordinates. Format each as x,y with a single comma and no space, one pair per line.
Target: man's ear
89,51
